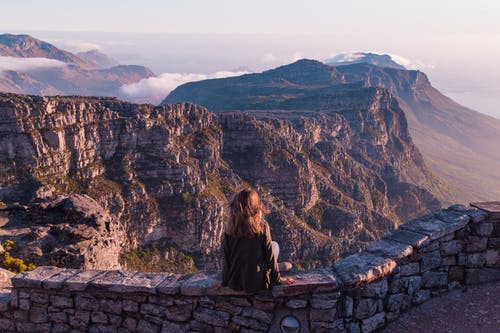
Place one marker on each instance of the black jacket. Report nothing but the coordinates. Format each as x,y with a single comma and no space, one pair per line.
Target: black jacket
249,263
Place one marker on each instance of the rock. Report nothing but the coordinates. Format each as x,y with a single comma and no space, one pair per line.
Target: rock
390,249
414,239
363,268
372,323
366,307
435,279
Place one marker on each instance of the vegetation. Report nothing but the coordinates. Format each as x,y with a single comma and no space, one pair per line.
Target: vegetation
154,259
13,264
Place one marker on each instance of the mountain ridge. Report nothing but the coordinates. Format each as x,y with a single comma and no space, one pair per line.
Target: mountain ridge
450,144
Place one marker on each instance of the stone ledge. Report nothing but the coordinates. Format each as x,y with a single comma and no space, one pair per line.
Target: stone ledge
123,282
362,268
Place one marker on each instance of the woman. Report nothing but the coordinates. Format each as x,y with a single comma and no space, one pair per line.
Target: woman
249,261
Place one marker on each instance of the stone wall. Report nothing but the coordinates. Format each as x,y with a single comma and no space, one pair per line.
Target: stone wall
361,293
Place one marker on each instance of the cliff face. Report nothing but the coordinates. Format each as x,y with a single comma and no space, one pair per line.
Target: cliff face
332,180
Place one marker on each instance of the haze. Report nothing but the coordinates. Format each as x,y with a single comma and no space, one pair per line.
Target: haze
456,43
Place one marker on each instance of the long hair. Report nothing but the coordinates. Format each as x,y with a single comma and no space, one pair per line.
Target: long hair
245,216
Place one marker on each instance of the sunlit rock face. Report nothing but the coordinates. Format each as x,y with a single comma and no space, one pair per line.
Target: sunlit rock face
332,179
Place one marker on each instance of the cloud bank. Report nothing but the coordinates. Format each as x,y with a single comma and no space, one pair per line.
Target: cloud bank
155,89
406,62
28,64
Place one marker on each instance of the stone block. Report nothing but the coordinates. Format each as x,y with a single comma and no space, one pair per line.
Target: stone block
61,302
482,229
492,258
110,306
328,327
411,284
411,268
421,296
39,297
169,327
38,315
58,317
179,313
390,249
6,325
80,319
250,323
84,302
475,260
456,273
375,289
171,285
130,324
81,280
363,268
326,315
430,260
451,247
34,278
263,316
449,260
435,227
353,328
366,307
475,244
60,328
435,279
99,318
200,283
348,306
130,306
371,324
57,280
152,309
494,243
146,327
397,302
481,275
296,303
240,301
414,239
307,282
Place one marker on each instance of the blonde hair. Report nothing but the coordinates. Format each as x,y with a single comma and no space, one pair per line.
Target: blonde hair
245,216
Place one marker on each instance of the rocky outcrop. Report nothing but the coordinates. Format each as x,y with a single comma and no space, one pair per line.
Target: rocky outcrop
73,232
332,180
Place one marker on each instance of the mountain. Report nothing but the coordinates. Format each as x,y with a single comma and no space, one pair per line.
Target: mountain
98,58
25,46
381,60
86,169
28,71
457,143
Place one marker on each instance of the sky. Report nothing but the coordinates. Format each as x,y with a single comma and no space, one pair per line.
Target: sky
457,43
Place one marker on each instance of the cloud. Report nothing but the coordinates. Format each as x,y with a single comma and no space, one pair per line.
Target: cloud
297,56
76,45
355,55
28,64
268,57
155,89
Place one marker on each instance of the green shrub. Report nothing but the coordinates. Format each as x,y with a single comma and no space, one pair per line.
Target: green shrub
152,259
13,264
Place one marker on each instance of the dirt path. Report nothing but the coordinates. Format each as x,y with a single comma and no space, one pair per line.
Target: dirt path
474,310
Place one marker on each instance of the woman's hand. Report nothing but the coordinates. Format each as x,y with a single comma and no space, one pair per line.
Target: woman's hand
216,284
287,280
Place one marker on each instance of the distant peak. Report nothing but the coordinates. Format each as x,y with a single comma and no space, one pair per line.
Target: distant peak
381,60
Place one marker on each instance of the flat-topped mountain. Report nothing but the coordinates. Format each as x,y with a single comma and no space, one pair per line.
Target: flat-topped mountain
331,180
458,143
36,67
381,60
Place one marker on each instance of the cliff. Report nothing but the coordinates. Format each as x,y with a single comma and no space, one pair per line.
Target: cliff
331,180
